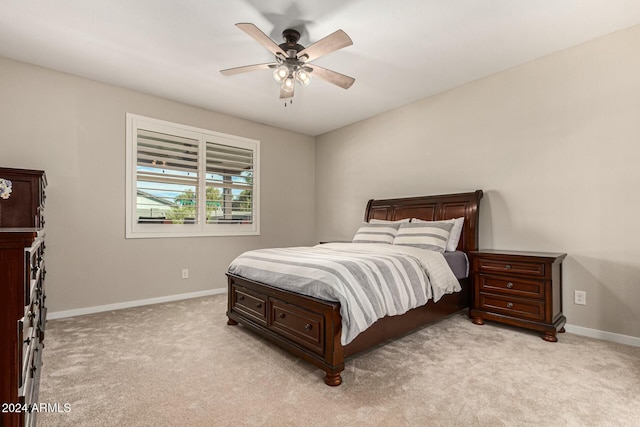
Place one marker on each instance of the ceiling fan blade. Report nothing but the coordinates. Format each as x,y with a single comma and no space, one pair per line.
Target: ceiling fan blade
337,79
261,38
331,43
247,68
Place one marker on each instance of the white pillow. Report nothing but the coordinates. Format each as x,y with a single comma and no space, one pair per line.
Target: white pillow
431,235
384,221
454,236
376,233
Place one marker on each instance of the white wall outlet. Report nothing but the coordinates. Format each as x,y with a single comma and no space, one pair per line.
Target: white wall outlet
580,297
185,273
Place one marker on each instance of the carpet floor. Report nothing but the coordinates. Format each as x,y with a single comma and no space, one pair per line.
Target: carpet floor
180,364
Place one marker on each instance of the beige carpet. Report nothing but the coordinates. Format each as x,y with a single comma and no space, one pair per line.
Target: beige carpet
179,364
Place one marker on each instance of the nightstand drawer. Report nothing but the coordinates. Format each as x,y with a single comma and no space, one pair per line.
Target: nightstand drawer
517,267
512,286
512,306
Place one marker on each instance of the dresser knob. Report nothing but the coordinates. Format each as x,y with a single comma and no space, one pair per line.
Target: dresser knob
259,305
508,267
509,285
509,305
281,315
307,327
240,297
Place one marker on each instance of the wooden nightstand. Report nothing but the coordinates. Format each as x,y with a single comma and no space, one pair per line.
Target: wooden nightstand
518,288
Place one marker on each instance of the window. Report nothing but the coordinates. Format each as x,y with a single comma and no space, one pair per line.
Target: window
183,181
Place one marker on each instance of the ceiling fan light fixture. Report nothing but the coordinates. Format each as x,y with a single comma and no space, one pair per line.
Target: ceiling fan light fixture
303,77
281,73
288,83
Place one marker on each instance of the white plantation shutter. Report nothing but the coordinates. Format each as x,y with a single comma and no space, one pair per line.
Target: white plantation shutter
184,181
167,170
230,174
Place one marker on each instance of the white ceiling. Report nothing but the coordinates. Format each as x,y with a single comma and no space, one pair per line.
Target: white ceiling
402,50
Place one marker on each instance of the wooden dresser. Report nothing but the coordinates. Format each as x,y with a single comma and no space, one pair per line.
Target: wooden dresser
518,288
22,293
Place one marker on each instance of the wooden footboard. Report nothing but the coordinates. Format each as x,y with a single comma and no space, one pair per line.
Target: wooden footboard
307,327
310,328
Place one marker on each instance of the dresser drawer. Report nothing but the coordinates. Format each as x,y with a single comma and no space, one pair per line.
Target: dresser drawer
42,325
34,267
512,286
301,326
28,391
29,354
250,304
518,267
517,307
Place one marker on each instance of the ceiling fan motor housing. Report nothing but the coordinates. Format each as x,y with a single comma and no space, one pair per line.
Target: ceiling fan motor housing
291,38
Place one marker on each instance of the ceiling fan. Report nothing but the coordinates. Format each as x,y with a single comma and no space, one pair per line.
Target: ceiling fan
292,60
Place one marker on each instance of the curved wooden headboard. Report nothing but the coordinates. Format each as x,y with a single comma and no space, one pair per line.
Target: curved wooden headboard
433,208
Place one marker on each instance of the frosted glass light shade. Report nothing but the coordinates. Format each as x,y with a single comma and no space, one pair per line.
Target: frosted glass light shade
280,73
287,84
303,77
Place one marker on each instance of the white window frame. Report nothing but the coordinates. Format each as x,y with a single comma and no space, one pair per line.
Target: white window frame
201,228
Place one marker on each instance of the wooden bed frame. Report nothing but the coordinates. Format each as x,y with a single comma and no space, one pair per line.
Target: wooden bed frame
310,328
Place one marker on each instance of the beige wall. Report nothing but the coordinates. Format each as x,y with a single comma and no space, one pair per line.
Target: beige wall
74,129
554,144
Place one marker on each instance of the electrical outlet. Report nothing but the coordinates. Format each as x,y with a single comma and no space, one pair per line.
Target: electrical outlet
580,297
185,273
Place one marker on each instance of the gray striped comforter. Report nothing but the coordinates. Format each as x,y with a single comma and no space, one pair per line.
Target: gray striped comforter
369,280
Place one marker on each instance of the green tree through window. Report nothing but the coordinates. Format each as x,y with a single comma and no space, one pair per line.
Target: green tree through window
185,209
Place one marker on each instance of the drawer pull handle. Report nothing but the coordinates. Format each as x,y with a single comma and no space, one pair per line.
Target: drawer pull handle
259,305
509,285
307,327
509,305
507,267
281,315
240,297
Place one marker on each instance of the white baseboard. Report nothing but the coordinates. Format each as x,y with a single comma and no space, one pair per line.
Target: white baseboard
129,304
603,335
